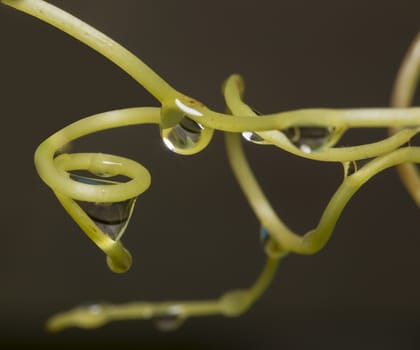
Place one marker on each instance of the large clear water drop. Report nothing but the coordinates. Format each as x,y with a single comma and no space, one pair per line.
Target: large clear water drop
308,139
111,217
186,134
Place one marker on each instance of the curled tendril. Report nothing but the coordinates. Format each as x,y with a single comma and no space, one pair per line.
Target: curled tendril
187,127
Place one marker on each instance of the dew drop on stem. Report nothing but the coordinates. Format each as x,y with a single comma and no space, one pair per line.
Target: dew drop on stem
185,135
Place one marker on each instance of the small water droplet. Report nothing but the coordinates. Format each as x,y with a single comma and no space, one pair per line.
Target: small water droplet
264,236
111,217
186,135
170,320
349,168
308,139
92,308
252,137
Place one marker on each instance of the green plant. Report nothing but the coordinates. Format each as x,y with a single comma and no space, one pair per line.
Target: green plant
102,201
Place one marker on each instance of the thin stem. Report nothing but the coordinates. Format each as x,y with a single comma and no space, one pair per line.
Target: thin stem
316,239
335,118
98,41
233,90
56,169
407,77
59,180
231,303
255,196
265,278
403,92
286,239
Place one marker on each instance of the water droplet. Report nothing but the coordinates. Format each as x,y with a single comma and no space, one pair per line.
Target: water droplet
349,168
92,308
186,137
252,137
111,217
170,320
90,315
308,139
264,236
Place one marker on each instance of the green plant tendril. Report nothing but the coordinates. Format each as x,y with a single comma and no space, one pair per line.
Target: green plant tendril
187,127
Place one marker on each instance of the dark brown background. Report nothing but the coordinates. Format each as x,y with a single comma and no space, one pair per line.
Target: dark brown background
192,233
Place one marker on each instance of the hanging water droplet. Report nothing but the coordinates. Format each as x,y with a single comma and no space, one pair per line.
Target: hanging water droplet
252,137
349,168
111,217
308,139
264,236
184,135
92,308
170,320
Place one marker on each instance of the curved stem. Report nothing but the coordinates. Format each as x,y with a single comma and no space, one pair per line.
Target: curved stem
233,90
286,239
231,303
407,77
59,180
54,171
255,196
320,117
98,41
403,92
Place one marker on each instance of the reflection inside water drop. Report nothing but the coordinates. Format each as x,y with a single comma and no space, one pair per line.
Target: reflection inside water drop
308,139
186,134
111,217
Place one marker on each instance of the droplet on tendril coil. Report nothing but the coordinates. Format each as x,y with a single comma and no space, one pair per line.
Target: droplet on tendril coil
187,137
252,137
111,217
309,138
169,320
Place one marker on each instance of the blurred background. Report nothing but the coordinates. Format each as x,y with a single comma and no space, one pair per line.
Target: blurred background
192,234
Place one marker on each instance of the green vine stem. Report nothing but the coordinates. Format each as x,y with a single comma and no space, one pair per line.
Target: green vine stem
113,183
402,96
